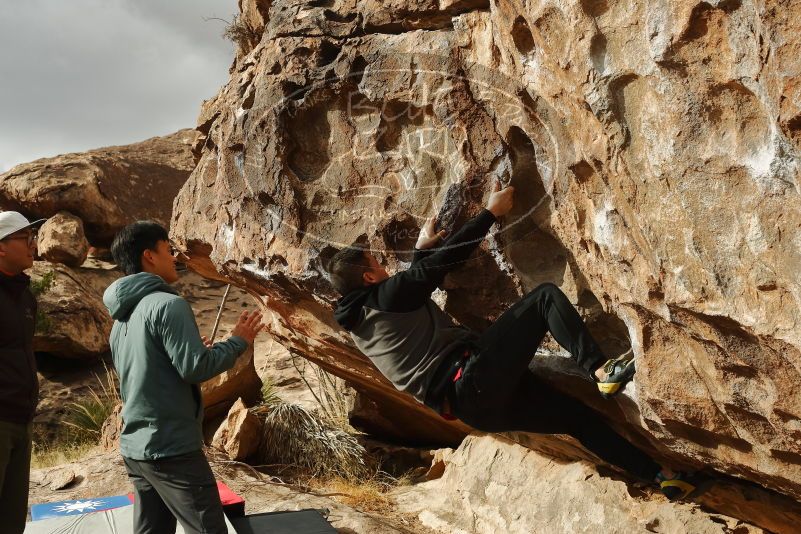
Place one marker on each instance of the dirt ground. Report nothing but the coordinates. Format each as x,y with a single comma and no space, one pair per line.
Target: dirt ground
102,474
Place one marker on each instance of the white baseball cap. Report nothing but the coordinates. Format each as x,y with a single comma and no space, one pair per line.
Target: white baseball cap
11,221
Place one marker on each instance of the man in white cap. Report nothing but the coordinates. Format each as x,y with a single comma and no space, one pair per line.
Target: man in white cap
19,386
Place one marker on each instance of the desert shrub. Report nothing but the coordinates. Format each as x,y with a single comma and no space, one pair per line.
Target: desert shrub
239,32
40,287
43,324
43,284
303,439
80,432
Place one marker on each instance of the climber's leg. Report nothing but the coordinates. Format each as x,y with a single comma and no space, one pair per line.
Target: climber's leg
534,406
506,347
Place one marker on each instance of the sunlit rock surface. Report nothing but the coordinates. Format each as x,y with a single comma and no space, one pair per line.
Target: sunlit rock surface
107,188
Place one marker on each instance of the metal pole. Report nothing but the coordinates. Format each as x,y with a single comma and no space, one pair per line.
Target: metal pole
219,313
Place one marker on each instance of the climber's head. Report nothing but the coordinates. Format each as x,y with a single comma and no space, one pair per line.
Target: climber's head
355,267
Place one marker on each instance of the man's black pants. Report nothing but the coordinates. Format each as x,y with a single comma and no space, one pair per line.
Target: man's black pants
498,393
15,467
179,487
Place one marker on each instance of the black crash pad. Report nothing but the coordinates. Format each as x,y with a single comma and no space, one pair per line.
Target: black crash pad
300,522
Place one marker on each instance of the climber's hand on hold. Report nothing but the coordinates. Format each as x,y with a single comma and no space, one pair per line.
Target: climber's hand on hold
428,235
500,200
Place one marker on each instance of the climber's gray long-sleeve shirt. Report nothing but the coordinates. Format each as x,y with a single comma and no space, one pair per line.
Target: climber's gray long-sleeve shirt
397,325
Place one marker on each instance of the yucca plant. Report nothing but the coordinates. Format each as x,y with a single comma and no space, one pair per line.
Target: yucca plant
269,393
298,437
331,392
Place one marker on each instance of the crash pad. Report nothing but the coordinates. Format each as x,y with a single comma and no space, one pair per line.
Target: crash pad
114,521
78,507
295,522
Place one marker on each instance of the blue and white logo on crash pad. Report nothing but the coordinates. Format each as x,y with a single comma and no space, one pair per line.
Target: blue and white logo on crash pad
82,506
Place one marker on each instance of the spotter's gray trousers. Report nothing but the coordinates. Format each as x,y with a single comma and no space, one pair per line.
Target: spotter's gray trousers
179,488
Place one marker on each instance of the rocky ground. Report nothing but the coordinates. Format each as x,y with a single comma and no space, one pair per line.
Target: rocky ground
103,474
489,485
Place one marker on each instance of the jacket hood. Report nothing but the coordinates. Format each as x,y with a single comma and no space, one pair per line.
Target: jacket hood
124,294
349,308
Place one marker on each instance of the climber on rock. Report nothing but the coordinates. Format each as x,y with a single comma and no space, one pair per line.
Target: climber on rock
482,378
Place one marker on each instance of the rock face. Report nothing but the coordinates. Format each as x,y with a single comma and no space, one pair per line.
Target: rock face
654,148
240,433
107,188
492,486
112,430
62,240
223,390
72,321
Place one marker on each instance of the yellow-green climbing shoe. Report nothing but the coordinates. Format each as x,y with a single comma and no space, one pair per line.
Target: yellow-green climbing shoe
618,372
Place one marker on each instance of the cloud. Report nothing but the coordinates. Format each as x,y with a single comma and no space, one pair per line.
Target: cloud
89,73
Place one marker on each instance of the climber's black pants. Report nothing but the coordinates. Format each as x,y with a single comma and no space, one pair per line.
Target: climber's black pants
497,392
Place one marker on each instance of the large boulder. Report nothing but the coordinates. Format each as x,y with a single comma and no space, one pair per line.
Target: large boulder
491,485
72,321
62,240
107,187
239,382
654,148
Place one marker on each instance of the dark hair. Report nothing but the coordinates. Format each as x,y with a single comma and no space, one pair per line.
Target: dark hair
133,240
347,267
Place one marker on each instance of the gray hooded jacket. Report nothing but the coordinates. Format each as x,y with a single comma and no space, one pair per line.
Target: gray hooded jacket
160,359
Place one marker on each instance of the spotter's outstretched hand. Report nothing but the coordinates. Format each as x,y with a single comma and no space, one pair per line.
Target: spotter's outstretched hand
248,326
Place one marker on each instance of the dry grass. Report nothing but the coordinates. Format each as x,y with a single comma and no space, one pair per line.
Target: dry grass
85,418
58,453
367,495
370,494
82,425
241,33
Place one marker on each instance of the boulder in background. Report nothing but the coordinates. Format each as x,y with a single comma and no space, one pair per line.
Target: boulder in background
72,321
62,240
107,188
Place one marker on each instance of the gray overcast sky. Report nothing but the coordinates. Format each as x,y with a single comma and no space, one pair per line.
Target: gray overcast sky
81,74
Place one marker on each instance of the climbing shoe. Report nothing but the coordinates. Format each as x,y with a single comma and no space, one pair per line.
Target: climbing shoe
618,371
676,488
